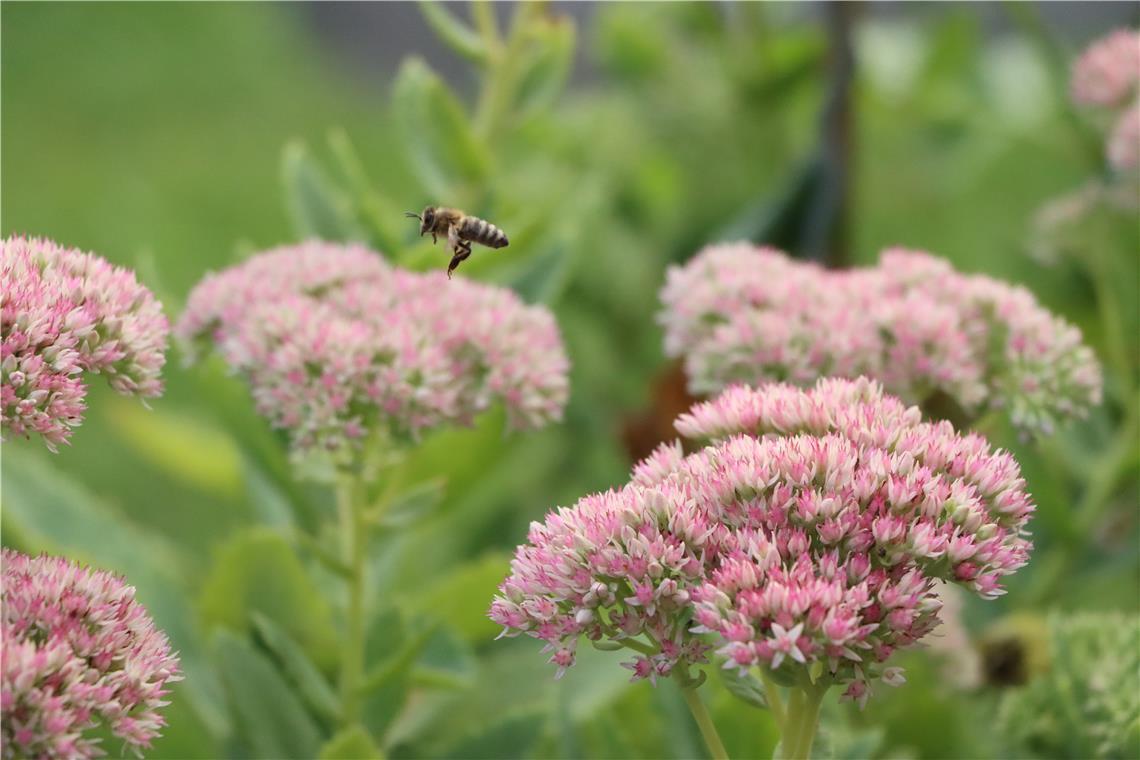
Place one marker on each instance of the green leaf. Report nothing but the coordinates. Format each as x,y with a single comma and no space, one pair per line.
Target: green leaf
257,571
544,276
547,67
316,207
446,662
298,668
271,718
390,652
181,445
413,505
441,146
461,598
744,686
391,647
454,33
511,737
782,222
352,743
381,218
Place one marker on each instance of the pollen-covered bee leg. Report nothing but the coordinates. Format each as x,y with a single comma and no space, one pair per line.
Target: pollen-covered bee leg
461,254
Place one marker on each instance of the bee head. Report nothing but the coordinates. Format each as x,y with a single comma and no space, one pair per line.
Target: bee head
427,219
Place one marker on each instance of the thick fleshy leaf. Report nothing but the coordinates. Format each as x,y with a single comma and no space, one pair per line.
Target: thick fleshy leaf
546,66
413,505
257,571
453,32
744,686
296,666
460,598
446,662
316,206
442,148
271,719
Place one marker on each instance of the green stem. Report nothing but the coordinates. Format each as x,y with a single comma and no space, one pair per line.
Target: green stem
813,699
704,722
352,533
802,720
775,702
790,730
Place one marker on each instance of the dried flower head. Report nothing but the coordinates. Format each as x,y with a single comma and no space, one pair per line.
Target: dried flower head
63,313
79,654
336,343
739,313
810,536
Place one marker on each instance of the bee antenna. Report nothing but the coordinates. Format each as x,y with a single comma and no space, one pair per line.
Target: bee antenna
411,215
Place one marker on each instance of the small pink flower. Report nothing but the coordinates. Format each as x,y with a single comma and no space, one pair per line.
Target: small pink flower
63,314
784,643
79,652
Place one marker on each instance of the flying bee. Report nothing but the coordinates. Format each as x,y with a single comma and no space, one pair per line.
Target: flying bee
461,231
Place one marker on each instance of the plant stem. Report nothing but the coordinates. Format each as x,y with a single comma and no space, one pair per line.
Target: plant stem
802,719
352,534
775,702
813,698
704,722
790,730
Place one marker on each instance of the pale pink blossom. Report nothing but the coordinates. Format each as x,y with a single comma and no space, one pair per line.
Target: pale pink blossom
743,314
1108,71
813,529
64,313
80,656
336,344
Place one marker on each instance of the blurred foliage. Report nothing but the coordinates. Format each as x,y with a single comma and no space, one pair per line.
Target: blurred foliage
179,138
1085,704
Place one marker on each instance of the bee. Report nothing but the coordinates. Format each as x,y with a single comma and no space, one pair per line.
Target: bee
461,231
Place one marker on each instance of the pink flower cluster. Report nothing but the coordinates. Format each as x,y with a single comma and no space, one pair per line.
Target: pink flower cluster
79,652
335,343
740,313
1107,75
809,536
62,313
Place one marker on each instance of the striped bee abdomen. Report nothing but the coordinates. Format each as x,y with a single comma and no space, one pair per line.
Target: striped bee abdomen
482,232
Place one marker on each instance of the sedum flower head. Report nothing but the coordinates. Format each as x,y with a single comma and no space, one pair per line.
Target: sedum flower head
1107,76
1108,71
335,343
64,313
809,536
79,654
743,314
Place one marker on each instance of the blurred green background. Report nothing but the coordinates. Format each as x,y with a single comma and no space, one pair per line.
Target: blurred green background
609,143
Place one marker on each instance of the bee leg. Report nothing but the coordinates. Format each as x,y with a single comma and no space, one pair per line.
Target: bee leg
434,239
454,242
461,254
